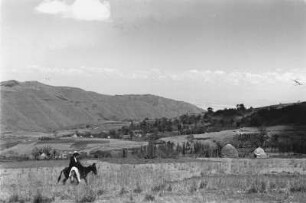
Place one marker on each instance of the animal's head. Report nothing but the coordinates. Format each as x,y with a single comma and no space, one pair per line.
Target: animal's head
94,168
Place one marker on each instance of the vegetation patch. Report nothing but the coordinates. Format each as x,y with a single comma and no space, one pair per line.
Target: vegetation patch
158,188
123,191
87,196
137,189
149,197
15,198
298,187
39,198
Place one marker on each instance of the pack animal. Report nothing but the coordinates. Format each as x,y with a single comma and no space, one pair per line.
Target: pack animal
84,171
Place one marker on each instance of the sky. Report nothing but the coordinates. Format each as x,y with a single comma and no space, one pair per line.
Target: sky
214,53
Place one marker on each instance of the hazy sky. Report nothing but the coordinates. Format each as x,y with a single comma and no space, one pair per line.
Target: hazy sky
208,52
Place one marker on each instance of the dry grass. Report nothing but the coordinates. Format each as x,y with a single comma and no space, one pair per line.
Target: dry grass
202,181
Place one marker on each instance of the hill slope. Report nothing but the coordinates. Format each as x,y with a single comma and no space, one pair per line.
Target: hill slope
293,113
33,106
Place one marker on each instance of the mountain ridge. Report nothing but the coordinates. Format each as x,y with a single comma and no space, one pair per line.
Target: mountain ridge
34,106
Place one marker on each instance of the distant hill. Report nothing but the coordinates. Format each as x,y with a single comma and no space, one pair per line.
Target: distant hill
293,113
33,106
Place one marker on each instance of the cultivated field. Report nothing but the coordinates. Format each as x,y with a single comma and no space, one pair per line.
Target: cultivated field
225,136
24,147
202,180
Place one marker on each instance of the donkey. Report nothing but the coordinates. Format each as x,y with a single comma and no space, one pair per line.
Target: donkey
82,170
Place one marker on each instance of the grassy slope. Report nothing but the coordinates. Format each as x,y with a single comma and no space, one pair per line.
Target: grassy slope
282,114
34,106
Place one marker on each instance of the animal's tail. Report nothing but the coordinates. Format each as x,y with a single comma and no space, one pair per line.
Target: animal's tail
59,177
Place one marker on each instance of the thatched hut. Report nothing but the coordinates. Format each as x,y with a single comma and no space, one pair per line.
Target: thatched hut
229,151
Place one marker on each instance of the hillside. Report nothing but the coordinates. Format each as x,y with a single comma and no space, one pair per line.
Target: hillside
33,106
294,113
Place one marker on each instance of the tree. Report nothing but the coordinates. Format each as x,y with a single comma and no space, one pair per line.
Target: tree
114,134
36,152
263,137
150,150
240,107
210,110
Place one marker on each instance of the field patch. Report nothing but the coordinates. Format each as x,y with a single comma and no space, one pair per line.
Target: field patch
70,144
199,181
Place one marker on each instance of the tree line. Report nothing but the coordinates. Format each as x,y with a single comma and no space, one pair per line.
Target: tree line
185,124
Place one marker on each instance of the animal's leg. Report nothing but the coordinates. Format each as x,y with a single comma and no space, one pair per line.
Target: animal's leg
64,181
86,181
72,176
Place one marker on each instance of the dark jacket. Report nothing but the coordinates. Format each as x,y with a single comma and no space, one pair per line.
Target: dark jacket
74,162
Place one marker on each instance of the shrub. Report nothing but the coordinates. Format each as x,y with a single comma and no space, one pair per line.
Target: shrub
149,197
100,192
49,151
123,191
193,188
38,198
102,154
88,196
45,138
137,189
15,198
258,186
298,188
158,188
203,184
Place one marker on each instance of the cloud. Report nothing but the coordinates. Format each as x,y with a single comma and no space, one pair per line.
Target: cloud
56,70
52,7
89,10
194,76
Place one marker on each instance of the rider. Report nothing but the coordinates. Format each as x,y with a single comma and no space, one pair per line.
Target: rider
75,164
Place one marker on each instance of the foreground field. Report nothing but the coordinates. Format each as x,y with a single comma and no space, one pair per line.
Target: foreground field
207,180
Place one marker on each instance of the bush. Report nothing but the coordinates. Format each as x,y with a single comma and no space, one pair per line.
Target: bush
123,191
166,151
149,197
158,188
102,154
46,138
49,151
203,184
38,198
193,188
258,186
15,198
138,189
88,196
298,187
100,192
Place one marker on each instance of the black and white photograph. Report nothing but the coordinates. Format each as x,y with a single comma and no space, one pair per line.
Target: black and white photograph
166,101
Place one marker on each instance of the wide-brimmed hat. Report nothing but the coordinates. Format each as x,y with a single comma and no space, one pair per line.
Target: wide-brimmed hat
75,153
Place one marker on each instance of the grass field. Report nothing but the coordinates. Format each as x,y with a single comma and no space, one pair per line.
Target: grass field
206,180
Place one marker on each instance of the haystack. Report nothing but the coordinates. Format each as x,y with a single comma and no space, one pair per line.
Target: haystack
260,153
229,151
42,156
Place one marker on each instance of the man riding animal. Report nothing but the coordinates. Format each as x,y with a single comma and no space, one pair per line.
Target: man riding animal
77,169
74,166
